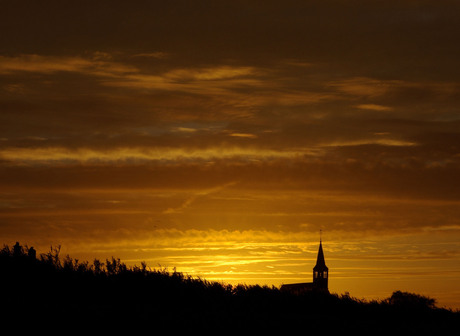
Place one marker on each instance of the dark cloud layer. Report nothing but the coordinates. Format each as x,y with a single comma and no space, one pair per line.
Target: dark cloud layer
359,91
361,30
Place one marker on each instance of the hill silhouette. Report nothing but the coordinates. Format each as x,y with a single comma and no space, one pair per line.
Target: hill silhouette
49,292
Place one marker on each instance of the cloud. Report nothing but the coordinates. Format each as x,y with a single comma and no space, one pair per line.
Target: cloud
52,155
244,135
202,193
95,65
374,107
184,129
156,54
374,141
400,93
365,87
205,74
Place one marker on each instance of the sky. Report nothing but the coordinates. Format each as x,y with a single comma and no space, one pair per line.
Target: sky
219,137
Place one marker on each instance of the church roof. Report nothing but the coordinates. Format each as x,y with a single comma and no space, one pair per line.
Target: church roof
320,263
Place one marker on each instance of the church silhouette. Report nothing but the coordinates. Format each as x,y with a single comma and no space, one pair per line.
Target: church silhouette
320,277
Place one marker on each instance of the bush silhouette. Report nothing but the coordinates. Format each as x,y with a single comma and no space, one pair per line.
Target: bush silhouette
411,300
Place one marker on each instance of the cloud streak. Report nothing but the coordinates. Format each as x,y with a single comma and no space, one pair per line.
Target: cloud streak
96,65
86,155
203,193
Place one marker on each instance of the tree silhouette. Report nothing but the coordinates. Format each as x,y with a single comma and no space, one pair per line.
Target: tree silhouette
411,300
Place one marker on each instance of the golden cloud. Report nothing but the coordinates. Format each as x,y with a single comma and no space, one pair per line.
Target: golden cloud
62,154
50,64
373,107
371,141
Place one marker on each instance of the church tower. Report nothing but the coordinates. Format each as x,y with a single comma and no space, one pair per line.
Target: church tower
320,271
320,277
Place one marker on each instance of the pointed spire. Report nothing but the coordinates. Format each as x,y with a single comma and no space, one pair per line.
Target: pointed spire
320,263
320,259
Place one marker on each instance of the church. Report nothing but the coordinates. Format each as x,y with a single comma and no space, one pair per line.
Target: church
320,277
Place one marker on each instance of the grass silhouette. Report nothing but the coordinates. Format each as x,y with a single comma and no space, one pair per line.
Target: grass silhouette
63,293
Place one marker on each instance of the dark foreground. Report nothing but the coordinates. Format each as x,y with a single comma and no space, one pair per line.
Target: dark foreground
64,295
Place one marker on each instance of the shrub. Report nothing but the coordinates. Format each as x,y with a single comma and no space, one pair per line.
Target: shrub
411,300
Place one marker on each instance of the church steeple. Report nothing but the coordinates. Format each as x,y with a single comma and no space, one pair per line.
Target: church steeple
320,277
320,271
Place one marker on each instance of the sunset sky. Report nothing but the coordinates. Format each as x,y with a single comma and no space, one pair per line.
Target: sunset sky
219,137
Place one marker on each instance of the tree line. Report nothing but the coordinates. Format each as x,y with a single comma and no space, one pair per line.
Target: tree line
65,289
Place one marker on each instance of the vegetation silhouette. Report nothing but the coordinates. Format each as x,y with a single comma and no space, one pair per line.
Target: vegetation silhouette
49,292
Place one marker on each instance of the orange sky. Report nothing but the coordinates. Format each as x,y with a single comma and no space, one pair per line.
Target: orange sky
220,137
